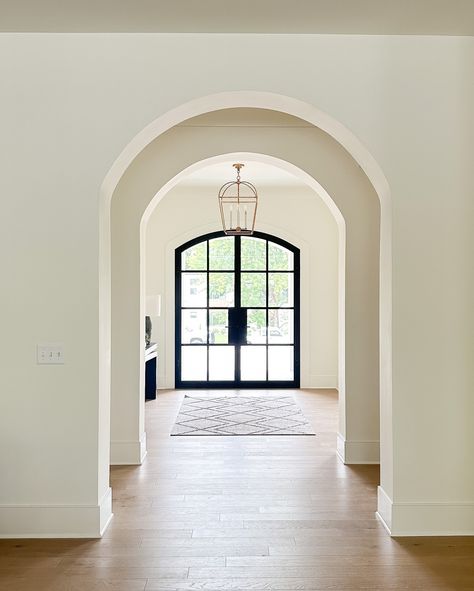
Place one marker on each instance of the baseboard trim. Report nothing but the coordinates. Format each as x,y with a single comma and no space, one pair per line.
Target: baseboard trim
384,509
322,382
424,519
380,518
341,447
358,452
105,511
128,453
56,521
432,519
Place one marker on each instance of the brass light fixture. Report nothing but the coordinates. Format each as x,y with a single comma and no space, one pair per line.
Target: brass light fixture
238,206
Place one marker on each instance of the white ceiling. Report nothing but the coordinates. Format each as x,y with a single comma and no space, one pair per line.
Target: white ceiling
257,173
392,17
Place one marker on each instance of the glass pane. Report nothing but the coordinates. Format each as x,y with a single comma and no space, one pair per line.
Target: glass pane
193,290
193,326
195,258
253,290
221,254
221,363
253,363
256,326
253,254
194,363
218,326
280,289
221,289
280,326
280,363
279,258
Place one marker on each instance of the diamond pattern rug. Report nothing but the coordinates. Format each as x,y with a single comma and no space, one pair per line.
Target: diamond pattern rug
239,415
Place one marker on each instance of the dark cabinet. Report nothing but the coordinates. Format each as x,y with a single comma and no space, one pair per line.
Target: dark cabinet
151,356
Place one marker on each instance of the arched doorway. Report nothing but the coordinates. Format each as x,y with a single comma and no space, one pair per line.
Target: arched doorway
323,151
311,154
237,312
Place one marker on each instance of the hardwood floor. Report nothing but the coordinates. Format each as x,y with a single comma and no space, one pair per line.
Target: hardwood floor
241,513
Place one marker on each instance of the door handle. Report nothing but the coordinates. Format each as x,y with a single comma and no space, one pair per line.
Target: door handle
237,326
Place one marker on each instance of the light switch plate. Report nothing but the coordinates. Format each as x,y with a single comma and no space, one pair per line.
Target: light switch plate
50,354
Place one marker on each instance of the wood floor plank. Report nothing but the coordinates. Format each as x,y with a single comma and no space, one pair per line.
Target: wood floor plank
60,583
336,583
142,560
322,571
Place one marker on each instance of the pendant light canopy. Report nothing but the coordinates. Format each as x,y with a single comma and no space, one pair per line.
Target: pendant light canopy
238,206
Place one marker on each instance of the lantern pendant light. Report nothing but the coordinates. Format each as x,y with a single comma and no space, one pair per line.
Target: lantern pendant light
238,206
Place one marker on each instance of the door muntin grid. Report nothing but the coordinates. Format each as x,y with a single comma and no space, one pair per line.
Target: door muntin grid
237,303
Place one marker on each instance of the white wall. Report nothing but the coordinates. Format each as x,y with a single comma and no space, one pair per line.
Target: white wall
70,103
294,213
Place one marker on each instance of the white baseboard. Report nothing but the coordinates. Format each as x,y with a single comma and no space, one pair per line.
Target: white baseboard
340,447
322,382
105,511
425,519
432,519
358,452
316,382
128,453
384,509
56,521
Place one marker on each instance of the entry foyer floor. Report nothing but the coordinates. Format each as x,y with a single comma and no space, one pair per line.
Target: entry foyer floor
241,513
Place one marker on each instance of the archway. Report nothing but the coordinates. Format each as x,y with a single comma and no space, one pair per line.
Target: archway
167,175
315,227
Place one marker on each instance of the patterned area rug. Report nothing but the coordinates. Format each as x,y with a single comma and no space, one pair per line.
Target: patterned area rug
239,415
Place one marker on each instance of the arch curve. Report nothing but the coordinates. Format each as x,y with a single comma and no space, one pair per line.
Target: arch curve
248,99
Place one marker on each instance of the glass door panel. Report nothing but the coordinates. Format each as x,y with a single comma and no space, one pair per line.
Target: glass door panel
194,290
253,255
280,363
253,363
256,326
193,363
222,363
193,326
280,290
253,291
219,327
221,290
280,326
221,254
195,258
279,258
